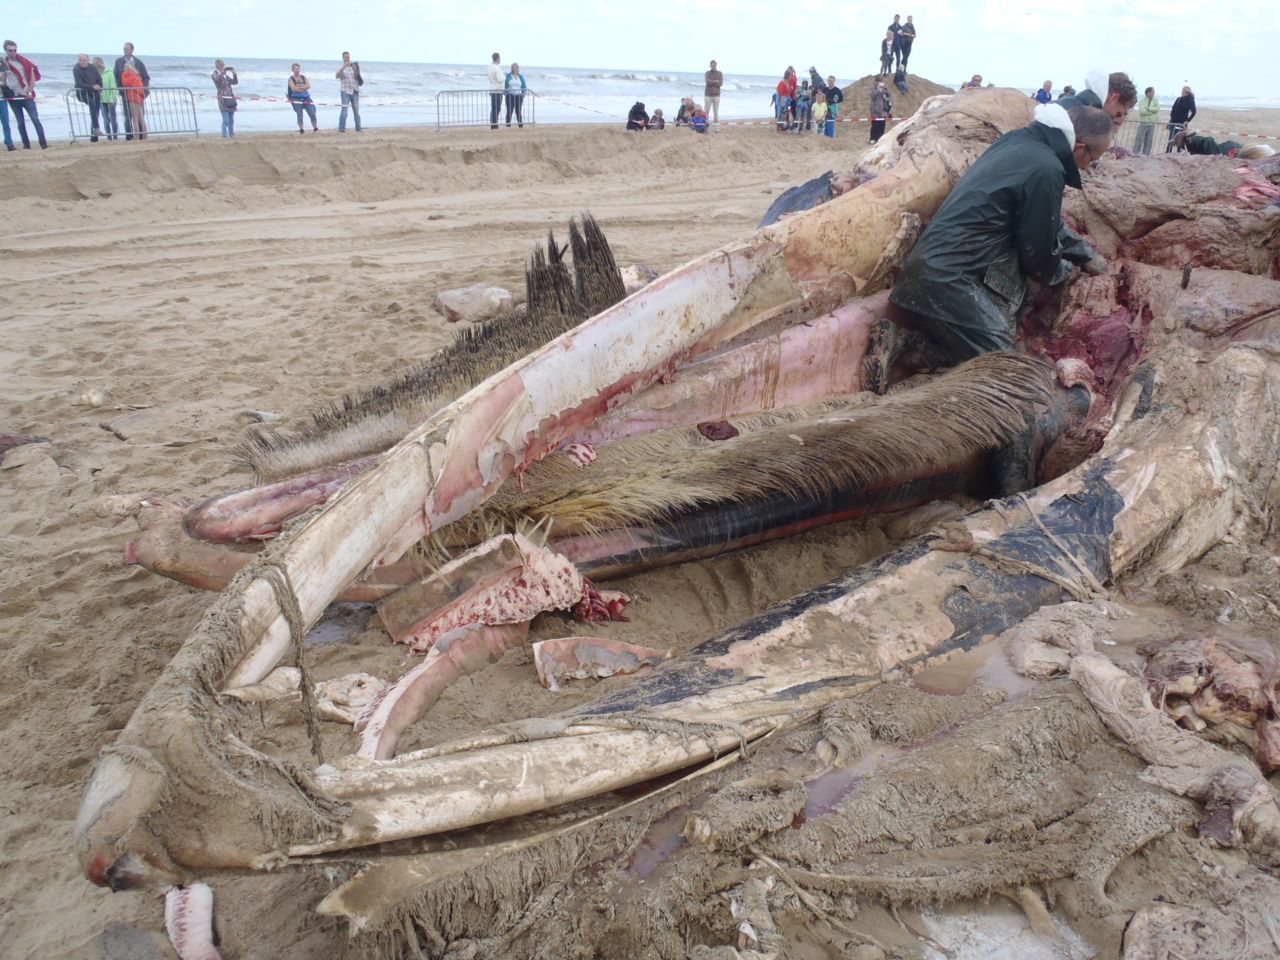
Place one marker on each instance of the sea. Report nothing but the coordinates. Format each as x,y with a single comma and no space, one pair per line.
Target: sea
405,94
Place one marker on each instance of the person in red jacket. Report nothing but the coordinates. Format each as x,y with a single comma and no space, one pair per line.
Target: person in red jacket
135,96
782,101
19,83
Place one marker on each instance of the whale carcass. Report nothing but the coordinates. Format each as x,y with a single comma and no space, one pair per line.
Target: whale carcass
1183,456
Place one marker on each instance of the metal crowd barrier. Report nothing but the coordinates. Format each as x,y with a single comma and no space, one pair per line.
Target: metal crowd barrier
167,110
1132,136
472,108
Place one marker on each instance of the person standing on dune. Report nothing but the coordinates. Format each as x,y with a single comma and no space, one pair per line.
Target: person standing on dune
905,39
711,92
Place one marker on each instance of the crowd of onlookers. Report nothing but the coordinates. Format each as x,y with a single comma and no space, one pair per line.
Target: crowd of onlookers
1181,113
698,117
110,95
117,96
113,96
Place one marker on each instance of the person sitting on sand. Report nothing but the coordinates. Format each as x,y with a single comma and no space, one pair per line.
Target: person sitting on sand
960,288
638,118
656,122
1195,143
974,83
699,122
299,92
900,81
685,113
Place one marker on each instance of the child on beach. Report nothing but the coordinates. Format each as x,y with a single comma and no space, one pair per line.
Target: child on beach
135,98
819,112
656,122
110,94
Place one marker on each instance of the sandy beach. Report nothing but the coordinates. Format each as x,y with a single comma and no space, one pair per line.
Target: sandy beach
156,292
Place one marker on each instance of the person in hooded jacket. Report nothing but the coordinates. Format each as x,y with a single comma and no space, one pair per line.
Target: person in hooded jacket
1121,95
638,118
962,284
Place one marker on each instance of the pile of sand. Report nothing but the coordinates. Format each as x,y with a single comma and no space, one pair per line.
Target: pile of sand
857,96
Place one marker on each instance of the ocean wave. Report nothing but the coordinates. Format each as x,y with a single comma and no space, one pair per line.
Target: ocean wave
638,77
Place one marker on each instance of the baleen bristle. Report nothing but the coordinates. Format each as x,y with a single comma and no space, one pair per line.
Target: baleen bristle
557,300
849,444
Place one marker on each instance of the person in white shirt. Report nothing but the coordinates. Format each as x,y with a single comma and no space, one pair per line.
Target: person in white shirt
497,84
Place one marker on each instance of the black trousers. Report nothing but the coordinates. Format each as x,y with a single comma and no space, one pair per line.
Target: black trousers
877,130
905,48
93,100
495,105
515,101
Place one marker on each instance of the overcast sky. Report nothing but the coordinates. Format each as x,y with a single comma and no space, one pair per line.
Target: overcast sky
1224,48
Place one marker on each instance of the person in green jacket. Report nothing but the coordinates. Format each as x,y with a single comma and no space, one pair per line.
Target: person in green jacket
1148,114
108,102
961,286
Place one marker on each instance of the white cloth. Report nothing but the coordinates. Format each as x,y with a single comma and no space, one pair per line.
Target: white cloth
497,78
1055,115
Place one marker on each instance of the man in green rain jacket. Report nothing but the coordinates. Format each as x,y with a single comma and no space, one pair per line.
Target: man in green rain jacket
962,284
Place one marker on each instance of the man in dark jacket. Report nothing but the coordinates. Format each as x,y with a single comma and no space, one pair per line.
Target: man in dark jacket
961,286
88,83
638,118
1181,113
142,72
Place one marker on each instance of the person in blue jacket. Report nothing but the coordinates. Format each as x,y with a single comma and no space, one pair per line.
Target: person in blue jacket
514,88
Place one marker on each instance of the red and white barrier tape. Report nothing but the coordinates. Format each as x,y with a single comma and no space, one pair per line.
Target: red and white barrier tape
1251,136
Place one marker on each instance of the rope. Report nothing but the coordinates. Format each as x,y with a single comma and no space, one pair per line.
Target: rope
278,578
